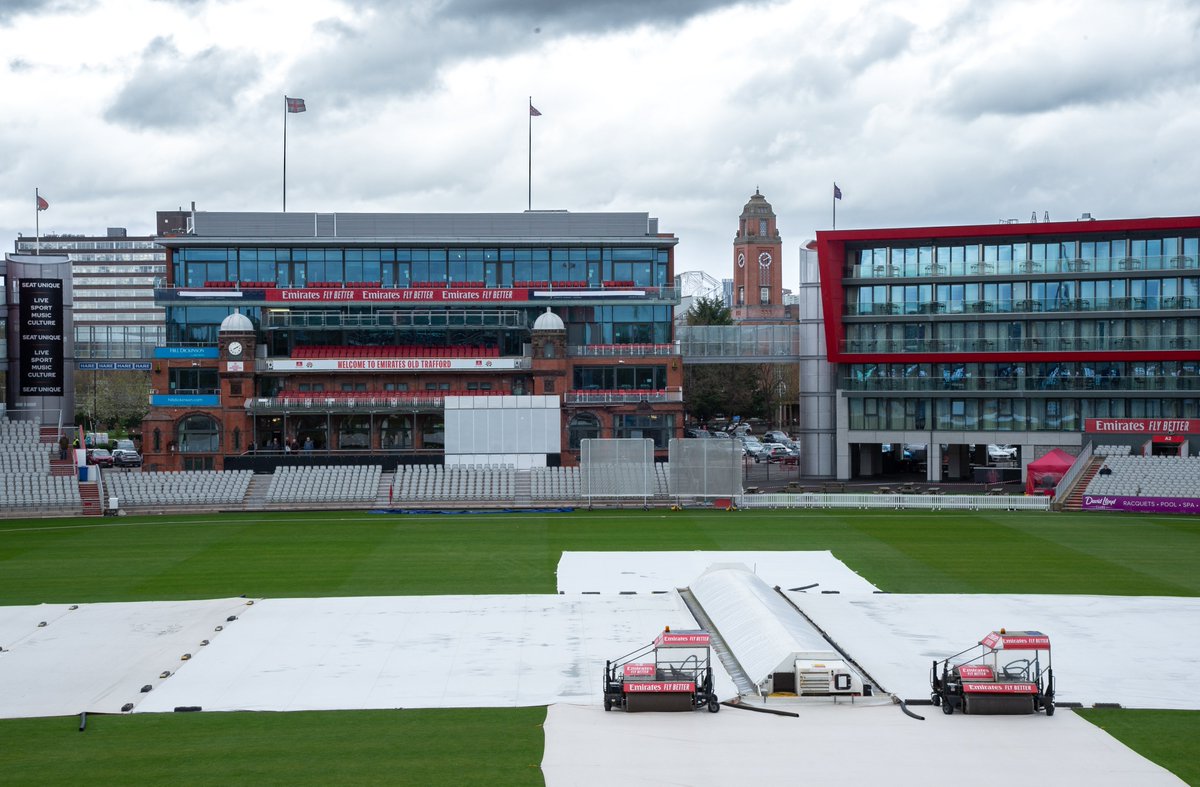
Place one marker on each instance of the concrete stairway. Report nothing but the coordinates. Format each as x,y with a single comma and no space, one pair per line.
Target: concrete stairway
256,493
89,495
383,494
1074,501
522,489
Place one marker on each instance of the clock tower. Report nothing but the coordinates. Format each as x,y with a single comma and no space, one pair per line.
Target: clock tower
757,265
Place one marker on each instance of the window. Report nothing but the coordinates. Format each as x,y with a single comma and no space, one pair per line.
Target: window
764,294
199,434
583,426
762,227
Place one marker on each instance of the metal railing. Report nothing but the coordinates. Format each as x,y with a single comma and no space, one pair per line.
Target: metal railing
1068,480
1027,344
397,318
898,501
1026,306
1024,382
621,350
1022,267
321,402
623,396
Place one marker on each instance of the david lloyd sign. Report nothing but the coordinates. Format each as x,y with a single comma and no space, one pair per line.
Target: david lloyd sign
40,326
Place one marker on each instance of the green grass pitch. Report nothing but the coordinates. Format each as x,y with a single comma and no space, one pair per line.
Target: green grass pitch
303,554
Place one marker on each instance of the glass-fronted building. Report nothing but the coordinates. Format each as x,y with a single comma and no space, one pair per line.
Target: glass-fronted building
114,276
1007,334
362,324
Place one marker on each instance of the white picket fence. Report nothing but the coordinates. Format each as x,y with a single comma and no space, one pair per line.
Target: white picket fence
894,501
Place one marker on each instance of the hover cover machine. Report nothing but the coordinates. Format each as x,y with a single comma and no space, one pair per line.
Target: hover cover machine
1008,672
672,673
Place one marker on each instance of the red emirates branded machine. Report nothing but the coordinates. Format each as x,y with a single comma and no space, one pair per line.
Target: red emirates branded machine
1008,672
673,673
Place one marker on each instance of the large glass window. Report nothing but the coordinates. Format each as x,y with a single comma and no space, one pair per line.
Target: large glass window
199,434
659,428
583,426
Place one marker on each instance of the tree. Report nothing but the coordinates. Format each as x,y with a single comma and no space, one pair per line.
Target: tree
106,400
709,311
713,391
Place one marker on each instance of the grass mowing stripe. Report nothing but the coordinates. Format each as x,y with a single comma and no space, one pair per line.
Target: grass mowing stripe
487,746
1167,737
335,553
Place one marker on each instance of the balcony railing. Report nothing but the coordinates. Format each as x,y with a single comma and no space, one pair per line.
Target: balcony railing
621,350
1029,344
358,401
623,396
1003,386
1026,306
397,318
545,292
991,268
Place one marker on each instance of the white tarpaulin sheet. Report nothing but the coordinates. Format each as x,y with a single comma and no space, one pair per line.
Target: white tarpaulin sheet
1142,652
97,657
764,633
646,572
421,652
835,744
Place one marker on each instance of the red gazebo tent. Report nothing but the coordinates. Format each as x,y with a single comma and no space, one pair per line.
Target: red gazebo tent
1043,474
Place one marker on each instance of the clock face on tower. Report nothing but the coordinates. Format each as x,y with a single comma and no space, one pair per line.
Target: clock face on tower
741,260
234,349
764,260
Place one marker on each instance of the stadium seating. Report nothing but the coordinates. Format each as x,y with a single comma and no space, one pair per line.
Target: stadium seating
1147,476
186,488
454,483
325,484
25,480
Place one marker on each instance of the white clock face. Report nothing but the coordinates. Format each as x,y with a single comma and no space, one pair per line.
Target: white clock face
741,260
764,260
235,348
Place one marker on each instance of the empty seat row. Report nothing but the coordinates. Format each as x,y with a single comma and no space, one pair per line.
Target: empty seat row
1147,476
325,484
468,482
185,488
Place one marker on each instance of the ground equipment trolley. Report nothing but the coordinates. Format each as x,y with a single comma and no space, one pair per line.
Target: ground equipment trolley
1008,672
673,673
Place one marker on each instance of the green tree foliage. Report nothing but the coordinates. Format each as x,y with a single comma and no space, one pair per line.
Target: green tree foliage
108,400
709,311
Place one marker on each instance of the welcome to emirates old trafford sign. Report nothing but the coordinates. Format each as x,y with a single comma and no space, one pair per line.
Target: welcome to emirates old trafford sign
1136,426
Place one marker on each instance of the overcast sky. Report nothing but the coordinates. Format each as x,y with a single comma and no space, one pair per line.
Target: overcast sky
924,112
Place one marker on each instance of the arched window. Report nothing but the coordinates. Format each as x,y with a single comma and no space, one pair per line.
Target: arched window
199,434
583,426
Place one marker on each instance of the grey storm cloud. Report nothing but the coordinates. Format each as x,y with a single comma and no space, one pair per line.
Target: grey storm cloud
11,9
170,90
400,48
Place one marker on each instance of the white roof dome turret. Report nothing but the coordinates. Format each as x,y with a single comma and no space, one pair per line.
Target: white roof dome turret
236,322
548,321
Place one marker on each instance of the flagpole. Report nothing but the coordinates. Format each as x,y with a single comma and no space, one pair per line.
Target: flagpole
529,204
835,206
37,222
285,114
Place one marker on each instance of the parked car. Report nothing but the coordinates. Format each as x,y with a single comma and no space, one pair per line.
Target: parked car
125,455
777,436
1001,453
752,445
695,432
126,458
100,457
774,452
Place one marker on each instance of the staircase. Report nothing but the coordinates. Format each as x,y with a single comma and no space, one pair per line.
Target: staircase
89,495
522,489
1074,501
48,434
256,493
62,467
383,494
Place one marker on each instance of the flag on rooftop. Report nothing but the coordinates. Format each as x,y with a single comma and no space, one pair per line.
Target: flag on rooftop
42,204
294,104
533,112
837,193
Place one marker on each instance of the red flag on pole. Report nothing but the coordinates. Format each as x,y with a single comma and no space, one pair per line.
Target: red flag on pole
294,104
42,204
533,112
